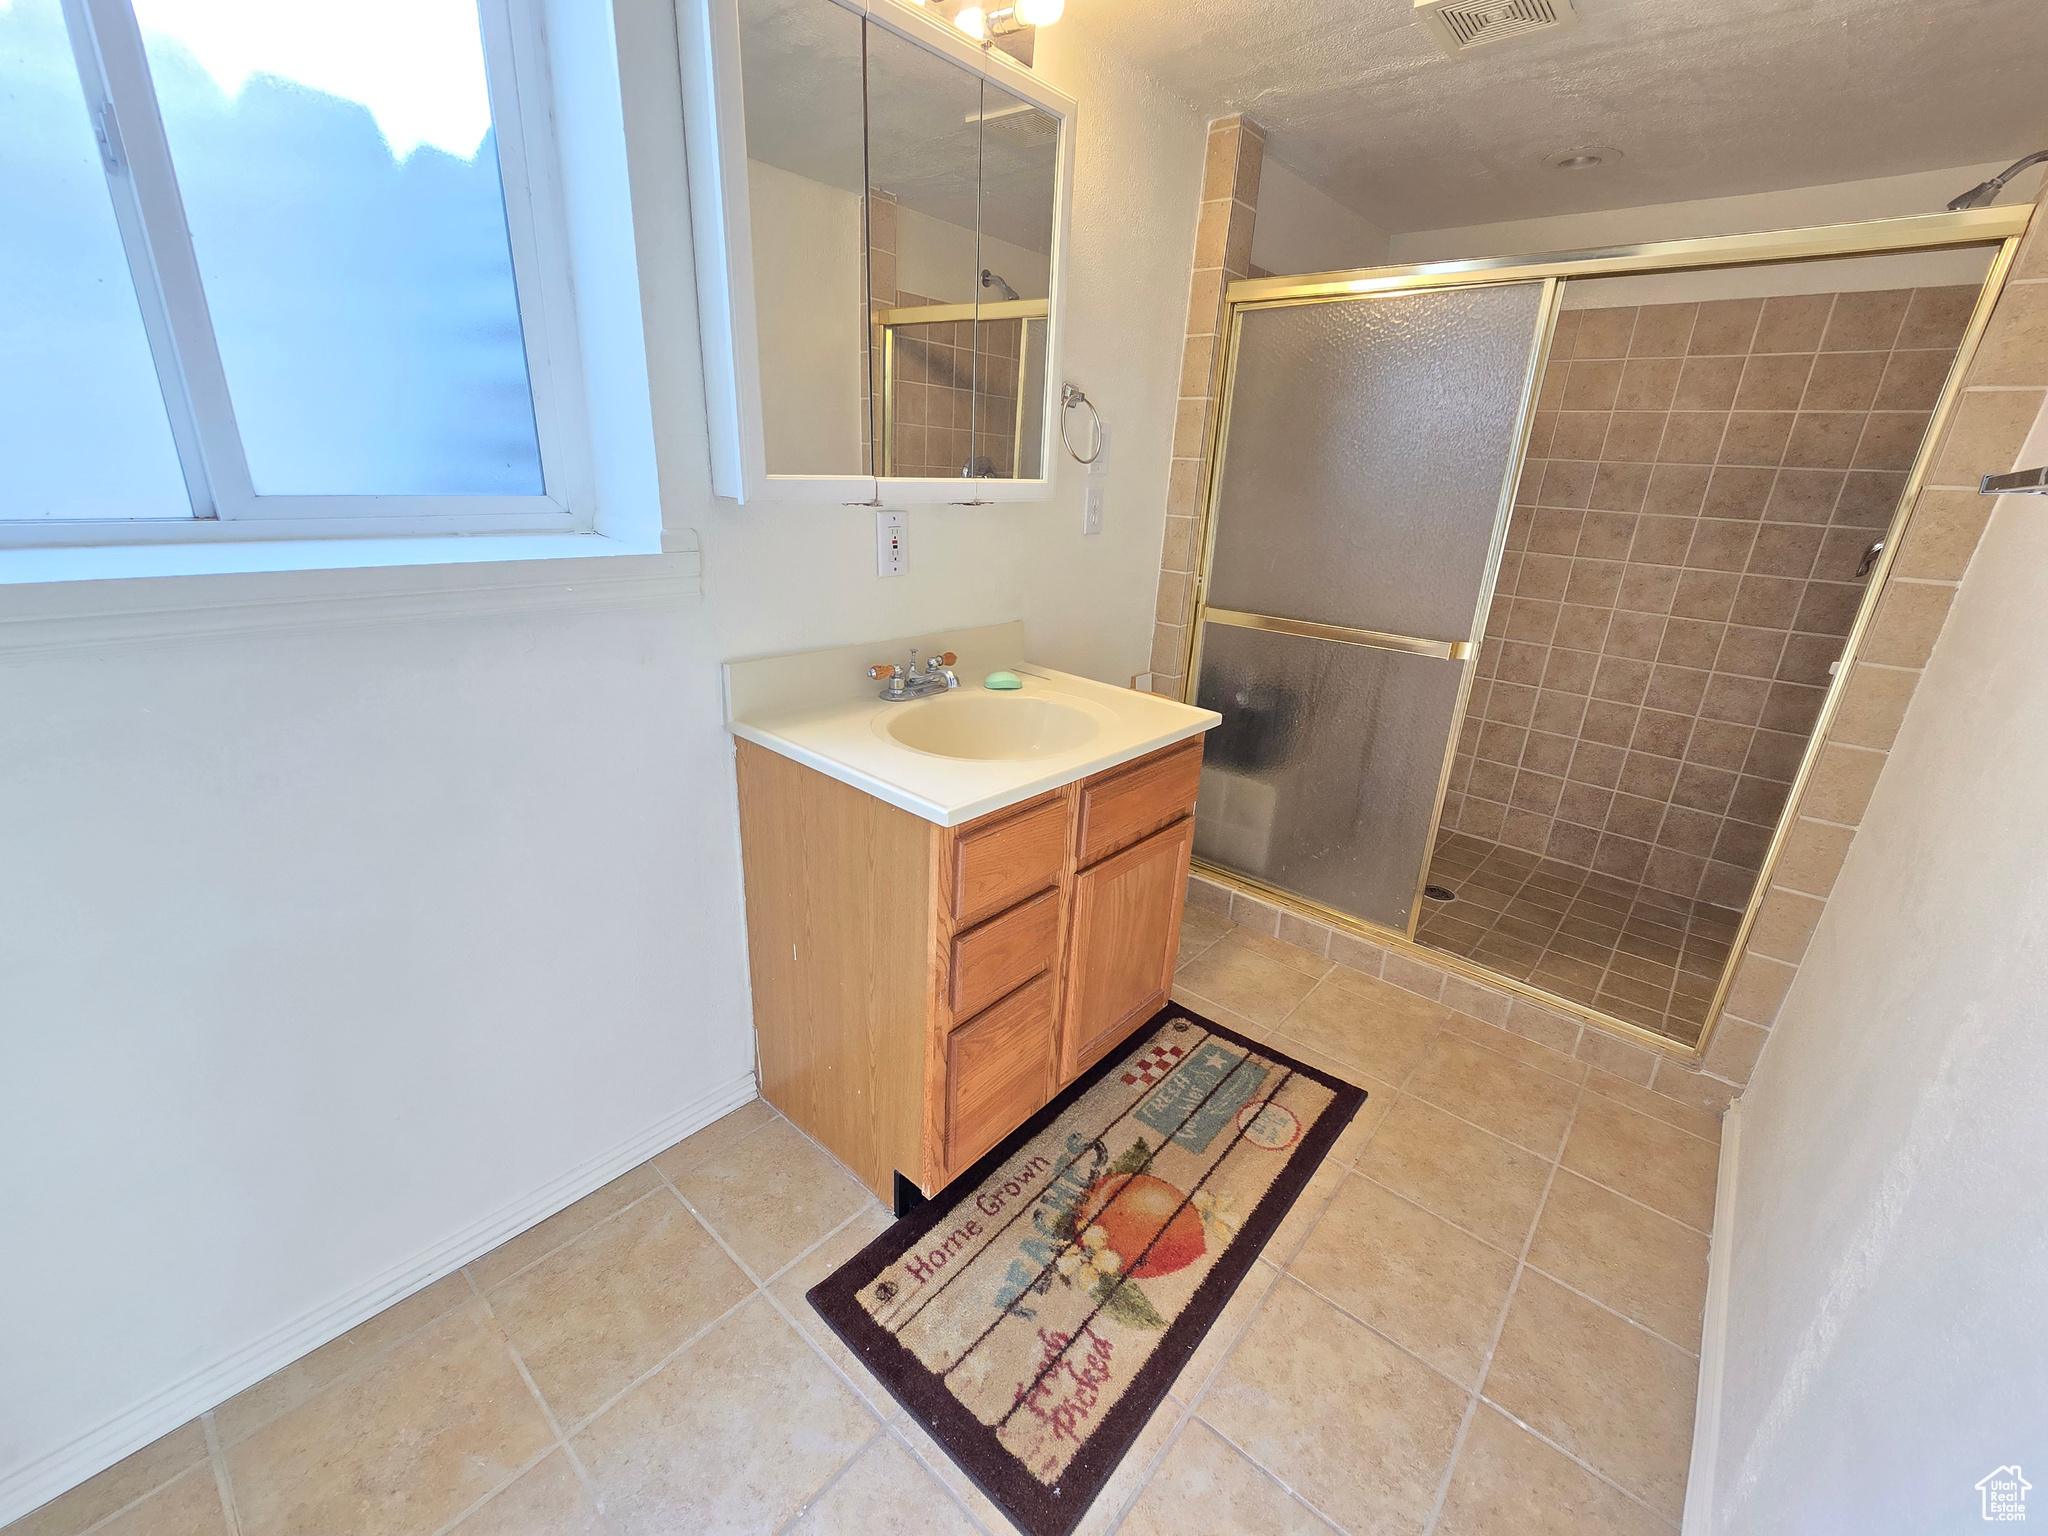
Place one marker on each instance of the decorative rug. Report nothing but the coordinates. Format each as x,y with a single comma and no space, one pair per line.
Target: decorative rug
1033,1313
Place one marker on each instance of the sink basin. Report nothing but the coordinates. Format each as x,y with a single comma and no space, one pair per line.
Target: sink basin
989,726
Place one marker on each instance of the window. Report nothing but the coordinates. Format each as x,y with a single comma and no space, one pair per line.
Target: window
286,264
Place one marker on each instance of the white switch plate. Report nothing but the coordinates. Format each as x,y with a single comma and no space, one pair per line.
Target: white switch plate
1091,507
891,559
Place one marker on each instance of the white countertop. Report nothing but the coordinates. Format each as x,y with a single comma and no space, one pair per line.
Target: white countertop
846,738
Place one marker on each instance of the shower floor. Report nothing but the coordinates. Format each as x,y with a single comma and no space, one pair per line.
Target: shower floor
1639,954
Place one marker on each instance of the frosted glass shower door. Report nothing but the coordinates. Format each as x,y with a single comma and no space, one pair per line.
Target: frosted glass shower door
1367,451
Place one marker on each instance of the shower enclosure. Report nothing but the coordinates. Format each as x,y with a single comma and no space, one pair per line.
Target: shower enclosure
1524,584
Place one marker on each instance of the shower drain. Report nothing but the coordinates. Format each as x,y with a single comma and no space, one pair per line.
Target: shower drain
1439,893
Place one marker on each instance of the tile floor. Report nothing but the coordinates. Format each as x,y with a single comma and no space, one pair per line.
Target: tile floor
1483,1316
1638,954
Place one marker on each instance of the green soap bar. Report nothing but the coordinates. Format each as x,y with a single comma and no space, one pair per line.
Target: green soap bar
1002,680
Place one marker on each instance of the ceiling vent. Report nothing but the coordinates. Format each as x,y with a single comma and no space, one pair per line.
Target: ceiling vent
1459,26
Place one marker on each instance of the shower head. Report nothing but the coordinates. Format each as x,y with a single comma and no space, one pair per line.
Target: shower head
994,280
1986,192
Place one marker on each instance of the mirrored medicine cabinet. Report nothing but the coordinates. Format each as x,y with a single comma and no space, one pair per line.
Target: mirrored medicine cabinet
881,209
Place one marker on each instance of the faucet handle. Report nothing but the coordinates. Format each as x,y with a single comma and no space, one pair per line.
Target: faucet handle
882,669
943,659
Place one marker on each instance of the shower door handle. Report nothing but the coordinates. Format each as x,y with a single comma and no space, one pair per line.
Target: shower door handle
1414,645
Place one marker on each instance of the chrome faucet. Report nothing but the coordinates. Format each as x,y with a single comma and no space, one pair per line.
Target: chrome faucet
937,677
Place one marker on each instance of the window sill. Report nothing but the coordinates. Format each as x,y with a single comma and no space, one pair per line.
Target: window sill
66,600
120,562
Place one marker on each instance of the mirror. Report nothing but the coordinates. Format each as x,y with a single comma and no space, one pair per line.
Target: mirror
1019,192
924,168
801,64
879,207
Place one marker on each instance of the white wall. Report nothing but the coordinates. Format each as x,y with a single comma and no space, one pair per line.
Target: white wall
1883,197
333,934
811,303
1889,1243
1300,228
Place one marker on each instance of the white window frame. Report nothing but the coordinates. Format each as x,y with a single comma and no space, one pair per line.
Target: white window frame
121,104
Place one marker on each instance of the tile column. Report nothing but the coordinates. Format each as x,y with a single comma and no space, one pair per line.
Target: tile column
1223,248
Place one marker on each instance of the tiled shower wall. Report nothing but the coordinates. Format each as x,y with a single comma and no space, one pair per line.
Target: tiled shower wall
1701,485
956,383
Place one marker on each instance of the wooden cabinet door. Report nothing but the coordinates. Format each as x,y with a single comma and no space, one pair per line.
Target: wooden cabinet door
1121,945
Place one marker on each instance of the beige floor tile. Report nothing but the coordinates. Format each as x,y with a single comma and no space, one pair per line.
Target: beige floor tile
1199,929
1509,1483
287,1388
1529,1052
1302,1216
1131,1474
715,1137
543,1238
814,1266
1703,1123
1625,1256
1366,1023
733,1435
1246,981
1379,1098
1431,1288
612,1305
1617,1398
1644,1159
1469,1177
1349,1422
402,1447
1228,1328
549,1500
941,1467
1218,1013
119,1486
884,1493
771,1195
189,1506
1207,1487
1291,955
1508,1098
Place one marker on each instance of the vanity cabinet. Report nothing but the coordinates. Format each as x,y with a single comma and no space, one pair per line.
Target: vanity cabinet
920,991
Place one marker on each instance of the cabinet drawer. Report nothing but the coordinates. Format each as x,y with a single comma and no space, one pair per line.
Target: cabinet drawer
998,1072
998,866
1121,807
1004,953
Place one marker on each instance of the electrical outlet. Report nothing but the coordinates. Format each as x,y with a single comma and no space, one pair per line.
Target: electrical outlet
891,559
1091,508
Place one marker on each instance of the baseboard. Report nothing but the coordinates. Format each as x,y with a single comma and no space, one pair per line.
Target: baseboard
1706,1420
35,1483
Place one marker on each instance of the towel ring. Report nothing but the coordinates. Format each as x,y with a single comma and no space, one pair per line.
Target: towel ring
1069,398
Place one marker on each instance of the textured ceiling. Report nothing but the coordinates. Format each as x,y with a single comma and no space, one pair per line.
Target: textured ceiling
1706,98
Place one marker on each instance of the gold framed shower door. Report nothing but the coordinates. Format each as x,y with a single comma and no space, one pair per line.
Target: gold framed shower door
2001,227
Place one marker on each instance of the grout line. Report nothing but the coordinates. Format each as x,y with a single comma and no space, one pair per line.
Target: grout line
1293,1492
1499,1327
881,1433
546,1412
222,1479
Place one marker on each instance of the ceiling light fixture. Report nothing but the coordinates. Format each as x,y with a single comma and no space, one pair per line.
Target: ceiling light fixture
983,25
1583,158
